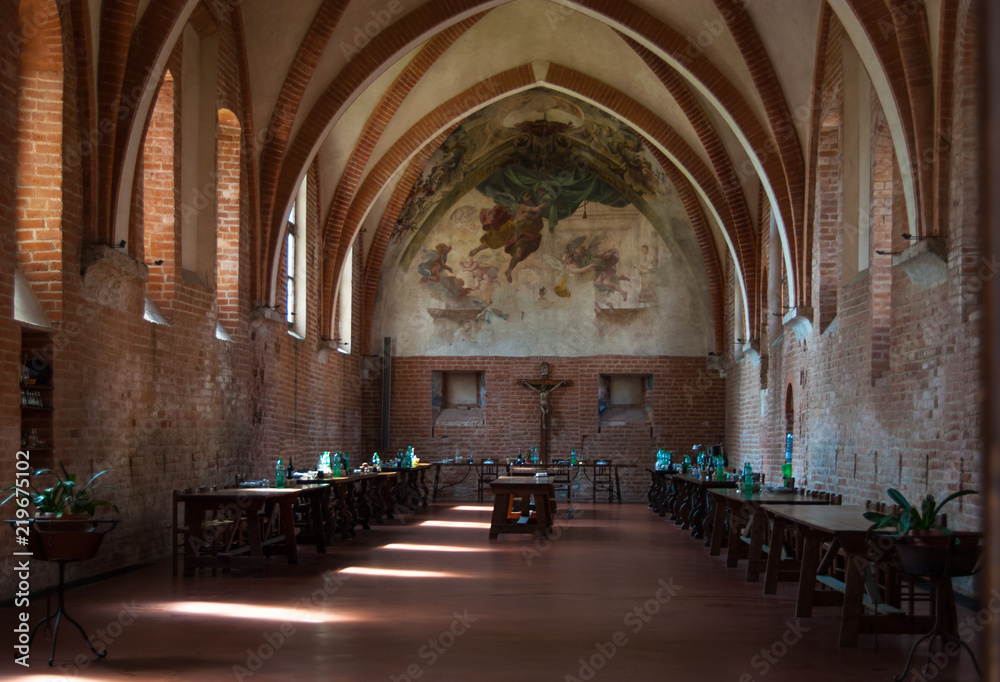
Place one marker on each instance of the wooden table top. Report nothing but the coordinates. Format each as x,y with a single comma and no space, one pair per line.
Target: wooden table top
232,493
520,481
830,518
766,497
705,482
418,467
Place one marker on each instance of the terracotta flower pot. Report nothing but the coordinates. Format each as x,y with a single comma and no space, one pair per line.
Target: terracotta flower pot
62,539
927,553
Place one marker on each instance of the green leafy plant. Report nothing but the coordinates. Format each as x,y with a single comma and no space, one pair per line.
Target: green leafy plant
910,517
65,496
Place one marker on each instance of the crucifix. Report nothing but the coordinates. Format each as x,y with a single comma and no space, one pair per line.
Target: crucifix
543,387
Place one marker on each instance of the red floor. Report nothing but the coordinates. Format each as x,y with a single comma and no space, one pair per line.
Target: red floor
618,594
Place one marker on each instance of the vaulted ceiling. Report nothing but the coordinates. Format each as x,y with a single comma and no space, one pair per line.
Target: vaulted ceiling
723,92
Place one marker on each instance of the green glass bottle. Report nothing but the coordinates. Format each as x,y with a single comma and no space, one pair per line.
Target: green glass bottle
279,474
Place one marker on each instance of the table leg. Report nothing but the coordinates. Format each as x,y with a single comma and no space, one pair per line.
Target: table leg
854,590
316,511
194,518
807,575
773,568
543,511
364,510
736,549
288,529
501,504
388,498
758,534
718,527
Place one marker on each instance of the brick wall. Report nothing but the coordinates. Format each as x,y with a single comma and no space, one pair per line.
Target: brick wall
889,393
687,405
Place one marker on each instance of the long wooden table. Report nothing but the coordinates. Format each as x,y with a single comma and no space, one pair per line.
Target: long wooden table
688,500
412,492
512,505
844,527
741,507
237,504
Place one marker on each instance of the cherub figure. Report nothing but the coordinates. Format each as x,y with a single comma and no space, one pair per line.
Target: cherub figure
579,259
480,272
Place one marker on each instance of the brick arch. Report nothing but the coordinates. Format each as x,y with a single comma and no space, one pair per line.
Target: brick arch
820,106
904,54
117,22
621,15
151,43
39,187
415,139
370,134
881,39
655,129
572,81
696,67
290,96
376,253
779,116
336,97
721,163
706,242
945,112
699,222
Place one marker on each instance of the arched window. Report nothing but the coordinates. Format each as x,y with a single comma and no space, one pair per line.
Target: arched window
227,272
345,296
296,241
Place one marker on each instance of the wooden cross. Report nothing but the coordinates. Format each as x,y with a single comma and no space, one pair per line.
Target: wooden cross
543,387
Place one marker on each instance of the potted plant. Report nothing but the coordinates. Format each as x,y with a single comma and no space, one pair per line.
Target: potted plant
62,527
923,546
913,520
64,499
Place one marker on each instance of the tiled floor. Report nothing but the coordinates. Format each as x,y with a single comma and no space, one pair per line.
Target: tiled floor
617,594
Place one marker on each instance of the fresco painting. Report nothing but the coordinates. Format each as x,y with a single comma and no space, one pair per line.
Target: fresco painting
571,232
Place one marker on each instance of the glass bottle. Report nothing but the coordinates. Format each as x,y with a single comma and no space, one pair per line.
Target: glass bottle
747,478
279,474
786,468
